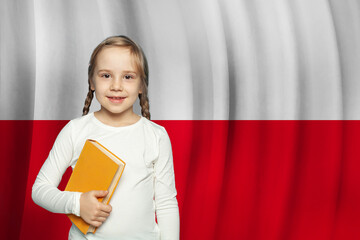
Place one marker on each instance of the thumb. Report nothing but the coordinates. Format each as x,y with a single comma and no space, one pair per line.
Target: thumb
100,193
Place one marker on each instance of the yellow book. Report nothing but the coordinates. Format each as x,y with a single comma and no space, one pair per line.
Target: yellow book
96,169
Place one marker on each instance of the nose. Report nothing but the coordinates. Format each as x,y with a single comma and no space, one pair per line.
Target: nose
116,84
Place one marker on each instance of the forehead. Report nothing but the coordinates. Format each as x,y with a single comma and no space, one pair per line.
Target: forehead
116,58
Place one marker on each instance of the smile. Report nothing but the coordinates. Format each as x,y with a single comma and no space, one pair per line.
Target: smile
116,99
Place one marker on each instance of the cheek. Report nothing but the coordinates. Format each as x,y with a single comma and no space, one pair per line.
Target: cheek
134,88
101,86
135,92
100,93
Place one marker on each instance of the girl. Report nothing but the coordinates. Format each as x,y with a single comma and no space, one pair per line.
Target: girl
118,73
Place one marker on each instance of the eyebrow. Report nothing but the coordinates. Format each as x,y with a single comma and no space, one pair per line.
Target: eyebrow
107,70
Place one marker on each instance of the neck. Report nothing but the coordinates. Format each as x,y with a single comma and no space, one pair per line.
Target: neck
116,120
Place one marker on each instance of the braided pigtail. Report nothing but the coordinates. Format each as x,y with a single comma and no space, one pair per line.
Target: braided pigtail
144,103
143,96
88,101
90,94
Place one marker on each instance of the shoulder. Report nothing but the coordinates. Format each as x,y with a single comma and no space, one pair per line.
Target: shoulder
75,126
156,136
155,128
80,123
157,140
83,120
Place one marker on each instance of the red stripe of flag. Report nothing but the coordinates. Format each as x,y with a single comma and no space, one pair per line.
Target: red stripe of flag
235,179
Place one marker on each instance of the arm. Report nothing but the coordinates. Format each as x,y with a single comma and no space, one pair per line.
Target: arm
167,210
44,191
46,194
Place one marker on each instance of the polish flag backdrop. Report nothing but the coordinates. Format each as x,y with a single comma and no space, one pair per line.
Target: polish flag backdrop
260,100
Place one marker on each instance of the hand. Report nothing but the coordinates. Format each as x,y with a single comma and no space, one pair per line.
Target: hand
91,210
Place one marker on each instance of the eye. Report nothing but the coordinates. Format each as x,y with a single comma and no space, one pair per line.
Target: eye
105,75
128,77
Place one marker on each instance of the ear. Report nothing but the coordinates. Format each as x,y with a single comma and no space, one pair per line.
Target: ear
92,85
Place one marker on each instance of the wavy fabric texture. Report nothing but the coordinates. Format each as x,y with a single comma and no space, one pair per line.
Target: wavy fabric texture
260,100
237,60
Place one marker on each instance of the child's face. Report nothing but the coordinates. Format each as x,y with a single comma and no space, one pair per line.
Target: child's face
116,81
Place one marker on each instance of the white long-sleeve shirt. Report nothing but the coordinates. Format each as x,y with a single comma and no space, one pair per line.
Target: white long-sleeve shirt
146,187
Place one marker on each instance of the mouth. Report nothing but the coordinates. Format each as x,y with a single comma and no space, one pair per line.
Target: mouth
116,99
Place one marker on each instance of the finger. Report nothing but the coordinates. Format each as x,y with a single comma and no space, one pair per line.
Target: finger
105,208
96,223
100,219
100,193
103,214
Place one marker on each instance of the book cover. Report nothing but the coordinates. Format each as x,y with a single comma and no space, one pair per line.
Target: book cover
96,169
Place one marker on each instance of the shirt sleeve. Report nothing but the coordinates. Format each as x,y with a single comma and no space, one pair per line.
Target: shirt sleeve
44,191
167,210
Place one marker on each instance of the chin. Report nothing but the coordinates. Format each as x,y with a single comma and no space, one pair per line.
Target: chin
118,111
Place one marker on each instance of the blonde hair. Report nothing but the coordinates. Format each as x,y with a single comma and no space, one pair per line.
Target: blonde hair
140,63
